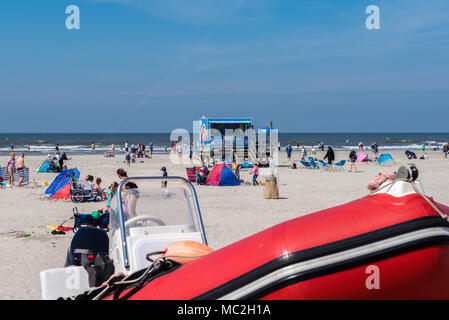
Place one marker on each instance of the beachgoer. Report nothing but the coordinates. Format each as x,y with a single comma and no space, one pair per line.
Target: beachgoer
151,149
164,175
255,173
58,157
21,168
375,148
279,146
97,187
289,151
330,156
313,153
111,192
236,169
130,194
360,146
352,159
126,145
113,148
93,146
128,158
445,149
89,182
57,147
11,167
179,148
303,152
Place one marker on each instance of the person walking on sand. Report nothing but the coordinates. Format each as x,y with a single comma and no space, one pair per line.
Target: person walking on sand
11,167
330,156
164,175
289,151
255,173
352,159
445,149
304,152
128,158
21,168
375,148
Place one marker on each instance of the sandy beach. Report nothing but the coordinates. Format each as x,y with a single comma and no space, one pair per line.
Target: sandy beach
229,213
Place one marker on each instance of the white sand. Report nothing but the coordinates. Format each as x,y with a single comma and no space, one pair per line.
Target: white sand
229,213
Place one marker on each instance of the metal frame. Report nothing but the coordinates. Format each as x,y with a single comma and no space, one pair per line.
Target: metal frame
122,219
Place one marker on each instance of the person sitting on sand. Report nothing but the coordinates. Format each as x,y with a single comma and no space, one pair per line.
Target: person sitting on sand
21,168
111,193
330,156
97,188
201,178
89,182
352,159
11,167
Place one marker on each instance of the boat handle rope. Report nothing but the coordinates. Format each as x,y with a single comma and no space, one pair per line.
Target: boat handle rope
412,175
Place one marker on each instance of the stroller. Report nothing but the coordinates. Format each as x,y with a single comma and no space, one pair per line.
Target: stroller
80,191
89,220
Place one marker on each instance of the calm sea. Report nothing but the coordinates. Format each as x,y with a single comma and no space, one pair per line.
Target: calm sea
77,143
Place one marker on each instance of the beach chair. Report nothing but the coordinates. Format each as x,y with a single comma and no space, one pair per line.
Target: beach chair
323,164
306,164
339,165
314,164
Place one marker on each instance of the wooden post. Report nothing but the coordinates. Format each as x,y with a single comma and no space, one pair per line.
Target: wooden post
271,188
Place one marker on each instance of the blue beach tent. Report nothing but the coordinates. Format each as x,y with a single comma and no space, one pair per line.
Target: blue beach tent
44,167
385,159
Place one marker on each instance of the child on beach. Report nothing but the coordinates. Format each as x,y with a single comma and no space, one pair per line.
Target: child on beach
255,172
128,158
11,167
164,175
111,192
97,188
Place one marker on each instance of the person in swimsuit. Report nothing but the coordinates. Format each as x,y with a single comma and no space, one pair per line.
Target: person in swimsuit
130,194
21,168
11,167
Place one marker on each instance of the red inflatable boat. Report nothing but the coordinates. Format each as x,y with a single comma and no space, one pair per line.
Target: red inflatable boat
392,244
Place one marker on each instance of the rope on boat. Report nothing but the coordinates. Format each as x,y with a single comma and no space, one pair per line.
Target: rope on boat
410,180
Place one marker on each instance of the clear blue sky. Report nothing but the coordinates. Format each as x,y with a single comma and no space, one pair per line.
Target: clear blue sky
155,65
